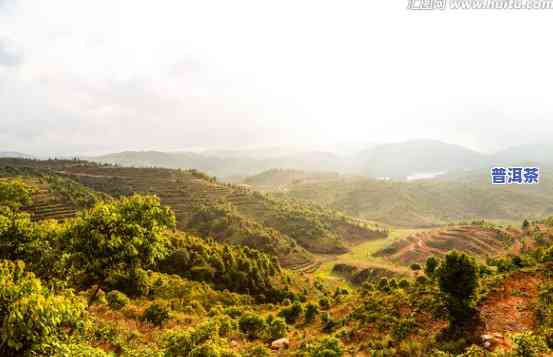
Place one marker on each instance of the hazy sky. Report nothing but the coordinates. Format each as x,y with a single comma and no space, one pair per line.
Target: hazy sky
97,76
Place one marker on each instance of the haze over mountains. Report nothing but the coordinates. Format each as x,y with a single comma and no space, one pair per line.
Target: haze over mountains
391,160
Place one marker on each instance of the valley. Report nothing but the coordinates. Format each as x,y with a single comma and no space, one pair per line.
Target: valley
244,270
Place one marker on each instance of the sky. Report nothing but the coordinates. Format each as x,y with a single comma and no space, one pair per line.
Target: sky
91,77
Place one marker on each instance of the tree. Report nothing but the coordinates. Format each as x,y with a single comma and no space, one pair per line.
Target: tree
430,266
311,311
15,194
458,281
525,224
125,235
34,320
292,313
415,267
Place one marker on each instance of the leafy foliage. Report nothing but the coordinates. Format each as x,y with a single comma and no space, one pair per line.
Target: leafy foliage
34,319
458,281
122,235
15,193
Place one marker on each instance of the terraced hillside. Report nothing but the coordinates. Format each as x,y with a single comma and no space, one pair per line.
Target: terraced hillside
480,241
187,192
231,213
54,197
432,202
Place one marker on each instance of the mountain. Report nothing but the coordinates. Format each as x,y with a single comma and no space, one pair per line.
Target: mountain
461,196
400,160
403,160
15,154
278,178
226,163
290,231
529,154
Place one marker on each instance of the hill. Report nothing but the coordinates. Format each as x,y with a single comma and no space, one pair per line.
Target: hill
119,279
225,163
53,196
14,154
231,213
463,196
479,240
400,160
276,179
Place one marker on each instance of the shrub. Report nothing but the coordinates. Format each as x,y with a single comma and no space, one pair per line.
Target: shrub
15,193
404,284
157,314
383,285
34,320
251,325
529,345
324,303
183,343
233,312
415,267
311,312
430,266
226,325
292,313
327,347
117,300
258,351
132,283
277,328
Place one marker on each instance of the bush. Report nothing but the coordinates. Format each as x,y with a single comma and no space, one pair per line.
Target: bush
252,325
291,314
258,351
233,312
156,314
226,325
117,300
404,284
185,343
383,285
311,312
430,266
327,347
529,345
34,320
324,303
133,283
277,328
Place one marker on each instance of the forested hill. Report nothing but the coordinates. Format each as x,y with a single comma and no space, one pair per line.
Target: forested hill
453,198
229,213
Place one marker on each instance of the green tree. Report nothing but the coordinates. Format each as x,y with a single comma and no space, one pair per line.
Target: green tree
415,267
292,313
458,281
252,325
525,224
124,235
15,193
311,311
430,266
34,320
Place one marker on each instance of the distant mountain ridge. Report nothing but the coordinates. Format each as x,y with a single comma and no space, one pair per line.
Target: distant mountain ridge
393,160
15,154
